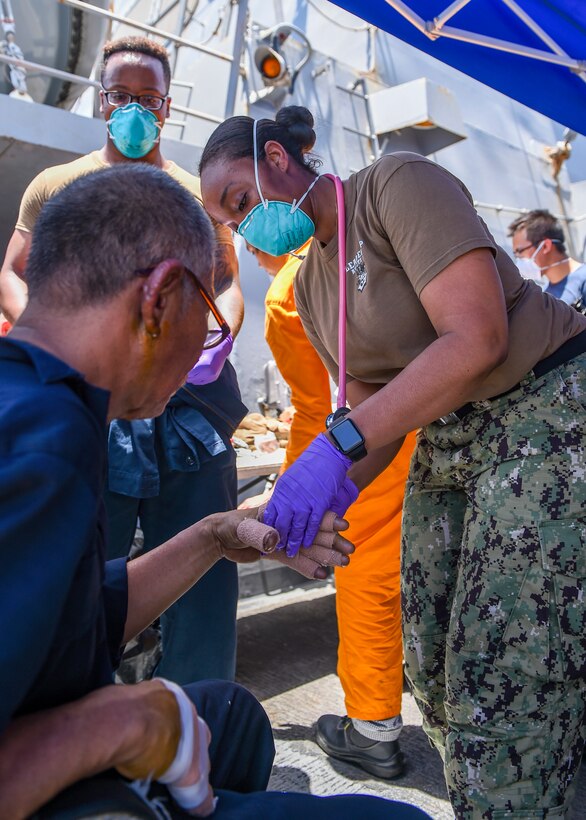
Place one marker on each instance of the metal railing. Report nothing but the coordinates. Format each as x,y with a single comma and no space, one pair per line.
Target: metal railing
178,40
157,32
238,45
77,78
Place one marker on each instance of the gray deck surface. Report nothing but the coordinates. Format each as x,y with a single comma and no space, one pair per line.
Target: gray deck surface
287,657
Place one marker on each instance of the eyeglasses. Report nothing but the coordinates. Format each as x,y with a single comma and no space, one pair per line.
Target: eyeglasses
519,251
120,98
215,336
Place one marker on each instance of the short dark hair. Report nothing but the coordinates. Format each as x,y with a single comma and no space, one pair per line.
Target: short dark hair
94,234
137,45
292,127
539,225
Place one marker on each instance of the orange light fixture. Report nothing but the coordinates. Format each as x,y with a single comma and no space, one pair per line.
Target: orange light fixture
271,67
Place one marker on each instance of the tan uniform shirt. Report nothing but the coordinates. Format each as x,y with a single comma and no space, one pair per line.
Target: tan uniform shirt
51,180
406,220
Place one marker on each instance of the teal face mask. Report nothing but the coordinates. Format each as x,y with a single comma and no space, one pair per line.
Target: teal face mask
276,227
134,130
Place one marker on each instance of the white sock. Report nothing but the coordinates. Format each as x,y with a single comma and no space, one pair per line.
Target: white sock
385,730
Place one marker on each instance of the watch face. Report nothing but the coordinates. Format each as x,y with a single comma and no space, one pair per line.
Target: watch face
347,435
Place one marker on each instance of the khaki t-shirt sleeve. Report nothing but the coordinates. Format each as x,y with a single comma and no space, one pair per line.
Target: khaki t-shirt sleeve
32,201
429,220
311,334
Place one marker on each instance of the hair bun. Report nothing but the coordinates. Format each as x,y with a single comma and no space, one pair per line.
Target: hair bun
299,123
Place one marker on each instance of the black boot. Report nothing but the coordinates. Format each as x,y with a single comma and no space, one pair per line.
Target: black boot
338,738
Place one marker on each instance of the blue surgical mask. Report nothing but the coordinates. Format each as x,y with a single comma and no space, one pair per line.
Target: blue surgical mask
134,130
276,227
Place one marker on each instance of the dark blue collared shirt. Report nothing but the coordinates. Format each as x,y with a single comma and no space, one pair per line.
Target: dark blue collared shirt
62,609
205,415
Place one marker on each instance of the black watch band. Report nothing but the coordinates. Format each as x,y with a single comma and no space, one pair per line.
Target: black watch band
345,435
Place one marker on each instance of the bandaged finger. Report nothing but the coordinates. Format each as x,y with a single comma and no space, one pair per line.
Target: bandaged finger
325,557
256,534
324,539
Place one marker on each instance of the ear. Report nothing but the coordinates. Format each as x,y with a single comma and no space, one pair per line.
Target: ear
102,102
157,290
167,108
276,154
548,246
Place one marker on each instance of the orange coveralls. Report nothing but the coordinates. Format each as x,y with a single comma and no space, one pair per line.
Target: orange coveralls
370,655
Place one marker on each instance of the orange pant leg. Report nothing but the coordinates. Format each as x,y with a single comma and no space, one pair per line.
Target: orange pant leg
370,655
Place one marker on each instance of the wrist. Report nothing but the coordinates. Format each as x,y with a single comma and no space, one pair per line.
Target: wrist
331,441
345,436
208,537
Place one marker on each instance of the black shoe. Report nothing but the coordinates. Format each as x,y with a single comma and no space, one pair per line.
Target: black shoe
338,738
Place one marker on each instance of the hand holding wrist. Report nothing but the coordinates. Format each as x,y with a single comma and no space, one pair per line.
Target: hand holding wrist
305,491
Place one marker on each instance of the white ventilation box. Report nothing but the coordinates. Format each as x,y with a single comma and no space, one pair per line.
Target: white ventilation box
416,116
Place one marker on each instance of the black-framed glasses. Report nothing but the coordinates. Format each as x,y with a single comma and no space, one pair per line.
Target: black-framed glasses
119,99
519,251
215,335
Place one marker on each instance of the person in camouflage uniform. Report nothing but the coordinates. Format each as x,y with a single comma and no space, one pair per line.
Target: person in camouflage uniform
442,334
494,575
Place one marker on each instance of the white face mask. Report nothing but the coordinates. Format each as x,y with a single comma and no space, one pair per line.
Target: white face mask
529,269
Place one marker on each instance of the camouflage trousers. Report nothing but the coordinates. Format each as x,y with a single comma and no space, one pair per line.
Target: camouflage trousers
494,596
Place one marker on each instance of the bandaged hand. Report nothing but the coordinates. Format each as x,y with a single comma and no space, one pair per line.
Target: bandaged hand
187,778
209,365
304,493
329,549
241,536
174,750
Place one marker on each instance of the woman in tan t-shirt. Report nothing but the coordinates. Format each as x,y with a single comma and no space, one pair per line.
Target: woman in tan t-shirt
443,334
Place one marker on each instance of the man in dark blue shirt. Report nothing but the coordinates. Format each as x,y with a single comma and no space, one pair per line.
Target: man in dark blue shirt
171,471
118,313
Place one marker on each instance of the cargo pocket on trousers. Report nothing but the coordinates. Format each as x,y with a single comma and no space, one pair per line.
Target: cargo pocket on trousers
563,548
525,646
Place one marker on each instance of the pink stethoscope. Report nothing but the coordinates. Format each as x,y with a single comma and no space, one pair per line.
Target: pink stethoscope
341,212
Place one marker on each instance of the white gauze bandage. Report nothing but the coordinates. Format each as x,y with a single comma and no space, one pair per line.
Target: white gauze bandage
188,797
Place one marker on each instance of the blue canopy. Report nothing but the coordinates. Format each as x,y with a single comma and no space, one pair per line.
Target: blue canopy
534,51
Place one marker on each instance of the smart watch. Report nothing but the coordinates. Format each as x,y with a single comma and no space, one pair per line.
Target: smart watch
345,435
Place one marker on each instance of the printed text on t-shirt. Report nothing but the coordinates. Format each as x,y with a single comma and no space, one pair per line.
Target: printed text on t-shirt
358,269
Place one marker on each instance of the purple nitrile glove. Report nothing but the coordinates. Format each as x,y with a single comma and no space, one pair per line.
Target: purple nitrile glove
210,363
346,497
305,492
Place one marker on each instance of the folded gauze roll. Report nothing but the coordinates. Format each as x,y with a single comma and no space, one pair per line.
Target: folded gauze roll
192,796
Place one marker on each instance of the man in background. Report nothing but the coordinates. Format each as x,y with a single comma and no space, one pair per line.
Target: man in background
171,471
540,251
